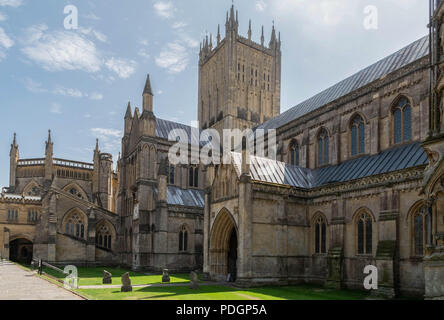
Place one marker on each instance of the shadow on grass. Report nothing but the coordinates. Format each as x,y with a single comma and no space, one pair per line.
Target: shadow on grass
93,276
229,293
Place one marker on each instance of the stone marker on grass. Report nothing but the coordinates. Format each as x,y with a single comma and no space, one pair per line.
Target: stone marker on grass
107,277
126,283
194,281
165,276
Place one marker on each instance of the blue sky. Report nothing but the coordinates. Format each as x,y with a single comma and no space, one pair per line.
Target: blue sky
78,82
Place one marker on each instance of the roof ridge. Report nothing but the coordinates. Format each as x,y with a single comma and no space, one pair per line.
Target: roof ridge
363,77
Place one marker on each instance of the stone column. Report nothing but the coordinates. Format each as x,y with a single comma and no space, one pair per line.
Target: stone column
52,229
160,248
386,253
335,256
434,259
91,239
5,254
244,272
206,232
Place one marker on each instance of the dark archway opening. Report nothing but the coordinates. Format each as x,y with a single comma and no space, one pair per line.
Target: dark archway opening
232,257
20,250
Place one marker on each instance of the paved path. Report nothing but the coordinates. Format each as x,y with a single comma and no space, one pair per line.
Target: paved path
19,284
154,285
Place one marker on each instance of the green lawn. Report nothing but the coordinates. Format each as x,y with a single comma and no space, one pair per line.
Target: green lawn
223,293
93,276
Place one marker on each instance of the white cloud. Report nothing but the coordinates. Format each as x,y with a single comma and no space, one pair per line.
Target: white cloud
261,5
188,41
103,132
11,3
109,138
69,92
5,41
97,34
56,108
321,12
179,25
164,9
122,67
96,96
174,57
37,87
72,50
33,86
3,17
61,50
143,52
91,16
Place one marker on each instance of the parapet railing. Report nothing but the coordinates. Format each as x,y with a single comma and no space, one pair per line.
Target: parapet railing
31,162
73,164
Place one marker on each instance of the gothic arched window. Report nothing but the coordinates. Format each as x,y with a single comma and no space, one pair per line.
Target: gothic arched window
323,156
357,136
365,233
75,225
170,174
419,231
183,239
103,236
320,235
402,121
294,154
193,177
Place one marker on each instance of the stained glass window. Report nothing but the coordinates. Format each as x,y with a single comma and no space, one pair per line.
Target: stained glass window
323,156
183,239
407,123
357,136
365,234
294,154
320,236
402,121
419,230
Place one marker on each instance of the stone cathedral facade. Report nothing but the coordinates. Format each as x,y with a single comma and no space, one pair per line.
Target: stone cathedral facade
358,180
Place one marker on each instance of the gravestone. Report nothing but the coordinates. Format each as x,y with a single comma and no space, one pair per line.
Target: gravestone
107,277
165,276
194,281
126,283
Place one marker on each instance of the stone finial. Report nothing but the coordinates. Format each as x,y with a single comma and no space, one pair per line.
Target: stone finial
249,31
194,281
14,141
262,37
107,277
165,276
126,283
128,114
148,89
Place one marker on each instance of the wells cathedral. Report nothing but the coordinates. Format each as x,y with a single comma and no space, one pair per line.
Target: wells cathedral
358,181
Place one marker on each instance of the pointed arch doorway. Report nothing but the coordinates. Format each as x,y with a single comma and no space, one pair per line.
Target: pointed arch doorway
224,247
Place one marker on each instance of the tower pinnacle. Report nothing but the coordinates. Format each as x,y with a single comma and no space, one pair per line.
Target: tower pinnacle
147,89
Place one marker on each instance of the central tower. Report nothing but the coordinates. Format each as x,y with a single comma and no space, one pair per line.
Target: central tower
239,80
